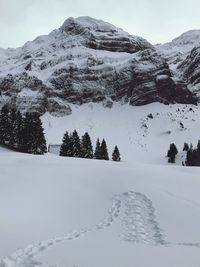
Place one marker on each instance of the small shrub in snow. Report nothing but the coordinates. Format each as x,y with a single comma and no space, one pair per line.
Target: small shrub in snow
150,116
181,124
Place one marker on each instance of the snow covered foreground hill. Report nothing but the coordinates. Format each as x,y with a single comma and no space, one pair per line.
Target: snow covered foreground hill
58,211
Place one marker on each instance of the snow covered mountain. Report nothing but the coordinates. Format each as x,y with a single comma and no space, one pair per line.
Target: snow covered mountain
142,211
183,57
86,60
190,69
181,46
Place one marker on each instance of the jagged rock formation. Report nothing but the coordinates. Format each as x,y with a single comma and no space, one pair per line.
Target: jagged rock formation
101,35
190,69
179,48
86,60
183,57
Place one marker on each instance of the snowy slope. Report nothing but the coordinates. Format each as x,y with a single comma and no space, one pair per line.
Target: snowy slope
73,212
130,128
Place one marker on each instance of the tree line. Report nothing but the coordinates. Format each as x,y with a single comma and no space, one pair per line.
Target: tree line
22,133
192,154
74,146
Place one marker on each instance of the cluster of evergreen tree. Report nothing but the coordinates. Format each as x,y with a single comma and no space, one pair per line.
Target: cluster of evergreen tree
22,133
101,151
193,155
74,146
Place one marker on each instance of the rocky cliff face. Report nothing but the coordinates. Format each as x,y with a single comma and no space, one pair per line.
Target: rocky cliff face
86,60
183,57
179,48
190,69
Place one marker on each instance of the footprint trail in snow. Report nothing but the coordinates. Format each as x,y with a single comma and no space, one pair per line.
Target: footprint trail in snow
139,221
139,225
25,257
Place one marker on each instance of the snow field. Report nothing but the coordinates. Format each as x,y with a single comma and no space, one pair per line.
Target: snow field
58,211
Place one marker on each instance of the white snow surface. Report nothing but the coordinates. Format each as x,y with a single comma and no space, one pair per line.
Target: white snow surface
58,211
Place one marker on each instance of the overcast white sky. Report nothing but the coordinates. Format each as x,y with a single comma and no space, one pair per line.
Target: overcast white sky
156,20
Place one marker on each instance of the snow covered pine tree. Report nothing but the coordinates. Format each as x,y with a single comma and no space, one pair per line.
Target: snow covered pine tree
33,135
4,126
76,145
116,154
97,153
104,150
86,147
172,152
66,147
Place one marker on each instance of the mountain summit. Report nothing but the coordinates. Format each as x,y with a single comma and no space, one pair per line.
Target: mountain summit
101,35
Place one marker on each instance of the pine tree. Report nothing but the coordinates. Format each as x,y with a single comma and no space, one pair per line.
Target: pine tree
198,146
18,131
76,144
66,148
193,156
12,121
86,147
32,134
104,150
4,125
185,147
27,135
40,146
189,156
172,152
191,146
97,153
116,154
70,150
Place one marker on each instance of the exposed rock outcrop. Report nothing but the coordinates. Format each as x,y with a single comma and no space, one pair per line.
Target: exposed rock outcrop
101,35
183,57
190,69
